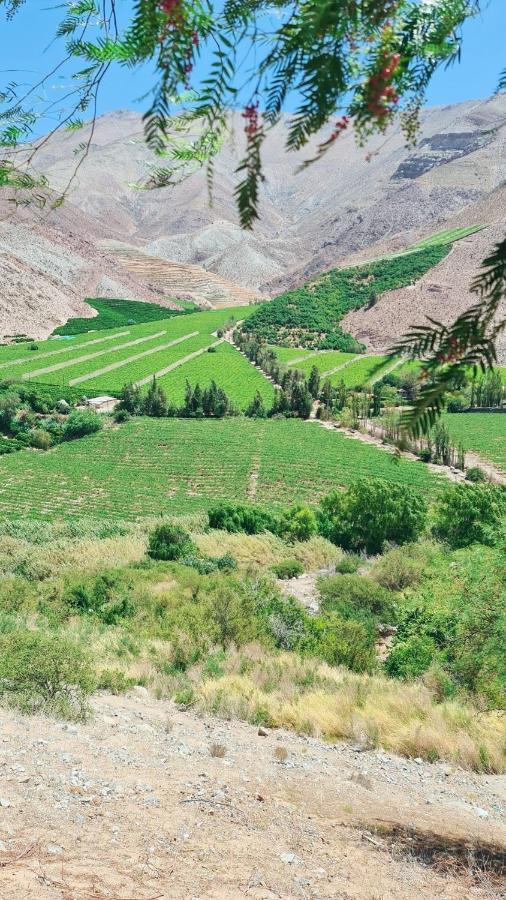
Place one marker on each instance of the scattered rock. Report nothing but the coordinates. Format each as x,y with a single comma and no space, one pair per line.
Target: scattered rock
262,731
290,859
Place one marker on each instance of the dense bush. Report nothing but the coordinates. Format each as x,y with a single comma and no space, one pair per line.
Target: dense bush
298,523
411,657
170,542
454,619
469,513
288,568
371,512
80,423
44,671
348,564
352,596
239,518
400,568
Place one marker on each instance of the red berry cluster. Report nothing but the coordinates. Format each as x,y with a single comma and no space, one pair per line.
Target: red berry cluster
381,94
250,113
340,126
172,9
454,352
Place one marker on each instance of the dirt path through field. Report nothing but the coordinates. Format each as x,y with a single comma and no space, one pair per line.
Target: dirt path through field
495,475
344,365
87,356
134,805
175,365
447,471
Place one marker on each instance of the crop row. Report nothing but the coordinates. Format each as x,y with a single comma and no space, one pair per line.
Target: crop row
150,466
231,371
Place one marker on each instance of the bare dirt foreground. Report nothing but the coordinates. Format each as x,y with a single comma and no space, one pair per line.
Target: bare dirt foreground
134,806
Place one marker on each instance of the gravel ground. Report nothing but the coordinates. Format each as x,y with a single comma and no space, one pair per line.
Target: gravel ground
134,805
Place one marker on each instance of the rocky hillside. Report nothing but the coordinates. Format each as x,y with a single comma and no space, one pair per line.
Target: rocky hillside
375,199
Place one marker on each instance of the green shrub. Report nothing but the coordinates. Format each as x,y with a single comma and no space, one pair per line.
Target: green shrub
239,518
80,423
371,512
469,514
170,542
397,569
298,523
476,475
41,671
288,568
350,595
348,564
340,642
114,681
411,658
40,439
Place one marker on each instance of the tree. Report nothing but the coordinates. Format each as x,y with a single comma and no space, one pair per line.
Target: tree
130,399
256,409
298,523
314,382
371,512
359,64
469,514
155,402
169,542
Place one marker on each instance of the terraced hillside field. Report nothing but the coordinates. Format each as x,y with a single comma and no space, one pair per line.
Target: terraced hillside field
485,433
150,466
174,349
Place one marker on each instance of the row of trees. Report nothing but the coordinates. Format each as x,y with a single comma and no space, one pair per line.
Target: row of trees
199,403
373,513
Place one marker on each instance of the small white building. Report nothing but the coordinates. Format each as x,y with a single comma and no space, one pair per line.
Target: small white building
102,404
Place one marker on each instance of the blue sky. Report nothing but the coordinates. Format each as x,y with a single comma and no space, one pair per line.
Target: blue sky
27,52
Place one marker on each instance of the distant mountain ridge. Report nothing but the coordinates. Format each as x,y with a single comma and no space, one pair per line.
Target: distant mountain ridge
351,204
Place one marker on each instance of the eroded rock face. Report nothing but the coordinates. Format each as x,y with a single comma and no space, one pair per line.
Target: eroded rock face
440,149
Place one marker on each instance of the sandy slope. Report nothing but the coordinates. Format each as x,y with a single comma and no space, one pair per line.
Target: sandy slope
132,805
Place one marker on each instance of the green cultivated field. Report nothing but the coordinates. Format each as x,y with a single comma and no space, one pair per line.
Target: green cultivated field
102,362
231,371
149,466
114,313
485,433
447,236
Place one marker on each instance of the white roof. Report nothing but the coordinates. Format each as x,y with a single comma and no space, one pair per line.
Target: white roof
104,399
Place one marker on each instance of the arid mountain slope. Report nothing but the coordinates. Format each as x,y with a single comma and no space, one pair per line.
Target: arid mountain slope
350,199
49,263
444,292
352,202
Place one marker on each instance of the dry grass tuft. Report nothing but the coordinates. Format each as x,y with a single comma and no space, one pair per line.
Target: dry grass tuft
264,550
281,754
218,751
312,698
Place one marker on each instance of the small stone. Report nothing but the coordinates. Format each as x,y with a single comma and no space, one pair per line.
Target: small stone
54,849
289,859
4,803
481,813
262,731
